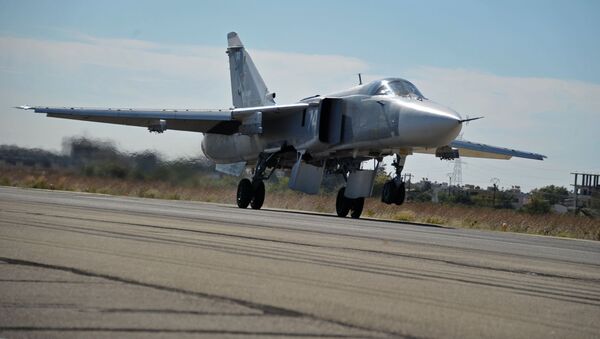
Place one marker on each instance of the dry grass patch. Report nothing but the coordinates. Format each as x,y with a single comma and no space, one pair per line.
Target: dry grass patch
566,225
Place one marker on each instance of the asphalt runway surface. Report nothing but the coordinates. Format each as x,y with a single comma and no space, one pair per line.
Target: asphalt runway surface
76,264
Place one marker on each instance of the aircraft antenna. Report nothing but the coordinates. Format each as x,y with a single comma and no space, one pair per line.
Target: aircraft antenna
359,79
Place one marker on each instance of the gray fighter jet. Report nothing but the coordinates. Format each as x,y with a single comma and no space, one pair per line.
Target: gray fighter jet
334,134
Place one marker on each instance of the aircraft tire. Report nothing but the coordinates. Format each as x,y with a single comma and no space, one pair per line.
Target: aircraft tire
342,204
400,194
244,193
258,198
357,207
388,194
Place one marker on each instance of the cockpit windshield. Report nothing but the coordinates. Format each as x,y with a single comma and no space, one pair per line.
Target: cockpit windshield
401,88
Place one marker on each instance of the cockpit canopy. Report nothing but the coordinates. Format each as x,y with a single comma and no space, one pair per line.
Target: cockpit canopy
388,86
397,87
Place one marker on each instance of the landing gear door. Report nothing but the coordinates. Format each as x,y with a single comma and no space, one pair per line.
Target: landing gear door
360,184
306,178
331,121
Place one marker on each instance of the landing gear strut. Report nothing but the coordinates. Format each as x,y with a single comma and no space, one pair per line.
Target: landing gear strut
394,190
344,205
253,192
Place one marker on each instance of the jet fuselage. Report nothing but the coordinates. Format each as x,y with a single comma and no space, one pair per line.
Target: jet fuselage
371,119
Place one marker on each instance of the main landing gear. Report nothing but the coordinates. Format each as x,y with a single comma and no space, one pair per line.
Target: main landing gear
344,205
394,191
253,192
349,169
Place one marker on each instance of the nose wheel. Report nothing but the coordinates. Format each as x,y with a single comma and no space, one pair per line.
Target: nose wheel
392,193
344,205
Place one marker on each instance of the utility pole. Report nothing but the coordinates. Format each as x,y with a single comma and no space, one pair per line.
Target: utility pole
576,193
457,172
495,182
409,176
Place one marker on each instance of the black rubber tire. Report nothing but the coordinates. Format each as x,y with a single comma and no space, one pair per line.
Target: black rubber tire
244,193
342,204
388,194
259,194
400,194
357,207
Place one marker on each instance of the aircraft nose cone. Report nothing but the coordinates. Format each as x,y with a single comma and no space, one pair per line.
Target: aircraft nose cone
445,126
430,124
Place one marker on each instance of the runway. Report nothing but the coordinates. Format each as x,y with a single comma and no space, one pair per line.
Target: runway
76,264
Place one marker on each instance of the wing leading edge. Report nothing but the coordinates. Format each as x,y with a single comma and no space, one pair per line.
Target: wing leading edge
477,150
217,121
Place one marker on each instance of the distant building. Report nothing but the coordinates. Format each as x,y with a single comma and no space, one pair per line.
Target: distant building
518,198
586,191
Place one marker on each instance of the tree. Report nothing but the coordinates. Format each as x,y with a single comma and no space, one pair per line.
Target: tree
537,206
551,194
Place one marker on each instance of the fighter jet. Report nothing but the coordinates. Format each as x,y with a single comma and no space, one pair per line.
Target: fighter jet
323,134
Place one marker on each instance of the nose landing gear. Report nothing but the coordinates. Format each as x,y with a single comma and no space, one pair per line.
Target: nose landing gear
394,191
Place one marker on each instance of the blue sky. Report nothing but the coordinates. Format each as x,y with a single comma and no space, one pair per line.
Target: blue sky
530,67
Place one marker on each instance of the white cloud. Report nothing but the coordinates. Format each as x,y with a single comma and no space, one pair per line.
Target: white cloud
292,75
296,75
510,101
555,117
91,71
119,54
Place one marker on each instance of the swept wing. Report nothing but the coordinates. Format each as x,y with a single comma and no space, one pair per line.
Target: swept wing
217,121
478,150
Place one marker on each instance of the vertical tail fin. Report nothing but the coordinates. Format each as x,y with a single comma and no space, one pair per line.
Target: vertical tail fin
247,86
